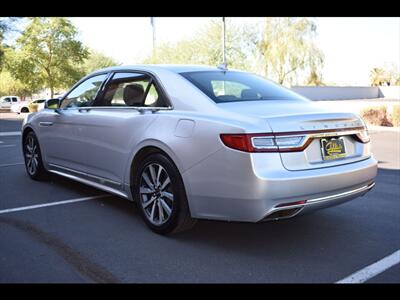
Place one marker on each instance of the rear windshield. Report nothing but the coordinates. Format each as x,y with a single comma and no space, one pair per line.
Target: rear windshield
233,86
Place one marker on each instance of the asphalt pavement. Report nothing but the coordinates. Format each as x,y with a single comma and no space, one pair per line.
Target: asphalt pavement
105,240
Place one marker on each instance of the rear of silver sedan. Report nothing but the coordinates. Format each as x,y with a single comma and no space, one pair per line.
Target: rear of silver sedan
270,176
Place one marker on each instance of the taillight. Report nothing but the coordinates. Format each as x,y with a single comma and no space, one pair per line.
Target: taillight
237,141
363,136
263,142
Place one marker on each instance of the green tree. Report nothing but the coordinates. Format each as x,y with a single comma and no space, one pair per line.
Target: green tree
378,77
47,54
97,60
389,74
314,79
287,49
6,25
23,72
11,86
205,47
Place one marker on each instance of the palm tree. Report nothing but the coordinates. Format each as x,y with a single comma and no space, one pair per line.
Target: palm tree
377,76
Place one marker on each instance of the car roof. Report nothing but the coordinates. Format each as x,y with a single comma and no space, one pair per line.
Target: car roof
156,67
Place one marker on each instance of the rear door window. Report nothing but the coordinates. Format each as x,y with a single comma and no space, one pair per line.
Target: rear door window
131,90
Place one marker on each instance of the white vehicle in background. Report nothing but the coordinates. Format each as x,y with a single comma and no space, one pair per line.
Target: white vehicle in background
7,101
28,106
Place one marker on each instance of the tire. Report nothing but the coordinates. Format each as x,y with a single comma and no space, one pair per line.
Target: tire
24,110
33,157
163,206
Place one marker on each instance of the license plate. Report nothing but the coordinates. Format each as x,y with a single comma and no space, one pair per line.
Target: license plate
332,148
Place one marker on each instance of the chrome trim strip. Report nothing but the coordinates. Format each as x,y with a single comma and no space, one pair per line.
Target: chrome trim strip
307,137
334,133
67,169
101,179
138,108
323,199
91,183
340,195
45,124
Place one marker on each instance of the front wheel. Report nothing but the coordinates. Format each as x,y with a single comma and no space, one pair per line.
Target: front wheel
33,158
161,196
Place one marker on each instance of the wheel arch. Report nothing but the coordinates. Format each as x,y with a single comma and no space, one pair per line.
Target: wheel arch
141,154
24,109
25,131
147,148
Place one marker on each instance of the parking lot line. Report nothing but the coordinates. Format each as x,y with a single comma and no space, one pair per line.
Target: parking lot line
374,269
10,165
10,133
6,146
4,211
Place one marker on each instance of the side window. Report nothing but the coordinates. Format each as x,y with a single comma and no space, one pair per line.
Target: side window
152,97
7,100
131,89
84,94
14,99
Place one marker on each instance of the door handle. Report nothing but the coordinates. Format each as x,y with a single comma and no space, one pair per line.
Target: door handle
45,124
81,110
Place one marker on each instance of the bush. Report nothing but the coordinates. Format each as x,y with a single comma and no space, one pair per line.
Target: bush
376,116
33,107
396,115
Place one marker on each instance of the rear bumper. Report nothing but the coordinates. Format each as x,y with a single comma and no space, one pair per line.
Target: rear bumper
236,186
289,211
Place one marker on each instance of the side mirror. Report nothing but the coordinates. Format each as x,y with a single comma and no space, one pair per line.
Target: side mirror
52,103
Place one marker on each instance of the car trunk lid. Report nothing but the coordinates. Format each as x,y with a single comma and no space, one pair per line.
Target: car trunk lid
316,123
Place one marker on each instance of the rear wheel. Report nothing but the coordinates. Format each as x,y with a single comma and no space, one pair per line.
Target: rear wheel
161,196
24,110
33,158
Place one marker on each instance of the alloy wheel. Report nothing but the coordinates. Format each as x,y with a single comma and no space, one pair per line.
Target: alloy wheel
156,194
31,155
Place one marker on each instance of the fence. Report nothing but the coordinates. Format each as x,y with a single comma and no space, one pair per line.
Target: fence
347,92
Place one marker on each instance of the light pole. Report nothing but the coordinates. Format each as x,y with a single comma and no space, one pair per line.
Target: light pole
223,42
154,35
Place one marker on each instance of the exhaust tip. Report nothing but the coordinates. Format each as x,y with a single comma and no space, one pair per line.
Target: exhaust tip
283,214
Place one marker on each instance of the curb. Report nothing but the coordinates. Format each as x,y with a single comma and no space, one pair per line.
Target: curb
372,128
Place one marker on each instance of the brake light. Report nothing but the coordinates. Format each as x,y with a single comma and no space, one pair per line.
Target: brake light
363,136
263,142
237,141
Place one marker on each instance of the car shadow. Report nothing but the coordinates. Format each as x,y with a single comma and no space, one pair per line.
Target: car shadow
316,232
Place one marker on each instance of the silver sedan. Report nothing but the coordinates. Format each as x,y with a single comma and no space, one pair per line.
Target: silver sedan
193,142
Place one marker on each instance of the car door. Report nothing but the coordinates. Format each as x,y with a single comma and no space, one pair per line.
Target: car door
61,131
5,103
114,124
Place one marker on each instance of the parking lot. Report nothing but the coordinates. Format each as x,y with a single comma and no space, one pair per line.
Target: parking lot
101,238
